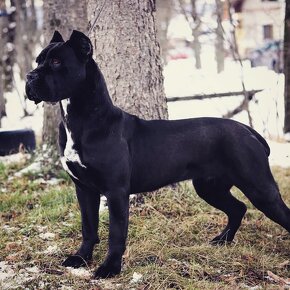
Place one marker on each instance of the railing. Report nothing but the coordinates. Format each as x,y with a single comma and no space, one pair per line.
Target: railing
250,95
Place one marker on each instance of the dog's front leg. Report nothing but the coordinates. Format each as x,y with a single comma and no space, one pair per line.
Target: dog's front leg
89,202
118,203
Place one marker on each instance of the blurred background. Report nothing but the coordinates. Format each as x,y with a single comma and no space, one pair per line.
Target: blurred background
221,58
161,59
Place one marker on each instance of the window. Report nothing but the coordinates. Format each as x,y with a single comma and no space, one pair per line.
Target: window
268,31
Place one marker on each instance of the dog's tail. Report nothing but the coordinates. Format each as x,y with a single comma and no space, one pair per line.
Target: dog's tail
260,139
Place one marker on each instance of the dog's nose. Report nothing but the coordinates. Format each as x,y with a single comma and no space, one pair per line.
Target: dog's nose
31,76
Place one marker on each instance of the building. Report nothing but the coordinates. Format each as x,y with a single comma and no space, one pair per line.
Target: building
258,22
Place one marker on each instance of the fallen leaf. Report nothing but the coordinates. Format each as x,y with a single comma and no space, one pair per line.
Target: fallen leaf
14,257
11,246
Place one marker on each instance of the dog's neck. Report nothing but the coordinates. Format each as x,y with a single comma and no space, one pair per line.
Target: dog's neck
92,99
96,86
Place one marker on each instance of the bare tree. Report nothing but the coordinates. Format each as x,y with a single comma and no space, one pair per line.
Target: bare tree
219,44
195,33
18,38
128,54
8,57
194,22
3,42
26,35
64,16
287,67
244,105
26,38
164,9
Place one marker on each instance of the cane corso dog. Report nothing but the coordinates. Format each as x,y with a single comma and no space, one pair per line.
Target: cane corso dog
109,152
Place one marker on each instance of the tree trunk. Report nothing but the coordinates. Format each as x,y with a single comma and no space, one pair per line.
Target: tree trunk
128,54
25,44
194,23
64,16
27,36
219,45
287,68
195,34
244,105
163,16
8,57
3,42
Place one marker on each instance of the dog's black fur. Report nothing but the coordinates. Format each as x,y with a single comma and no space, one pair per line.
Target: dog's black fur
117,154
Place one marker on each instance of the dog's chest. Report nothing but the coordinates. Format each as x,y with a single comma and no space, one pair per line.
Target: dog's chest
71,158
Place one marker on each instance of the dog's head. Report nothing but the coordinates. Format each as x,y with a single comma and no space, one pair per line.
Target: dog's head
61,69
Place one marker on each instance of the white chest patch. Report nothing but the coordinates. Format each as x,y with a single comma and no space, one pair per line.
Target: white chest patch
70,154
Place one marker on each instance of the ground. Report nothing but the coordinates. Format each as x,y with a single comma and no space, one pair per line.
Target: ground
168,243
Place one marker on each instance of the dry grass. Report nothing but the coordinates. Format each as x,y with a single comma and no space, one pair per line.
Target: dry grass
167,244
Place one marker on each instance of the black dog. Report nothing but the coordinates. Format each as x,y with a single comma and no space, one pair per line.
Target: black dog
107,151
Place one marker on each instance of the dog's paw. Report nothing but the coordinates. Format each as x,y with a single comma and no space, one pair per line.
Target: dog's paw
75,261
107,271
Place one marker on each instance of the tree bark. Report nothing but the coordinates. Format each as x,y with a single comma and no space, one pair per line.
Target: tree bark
287,68
64,16
127,51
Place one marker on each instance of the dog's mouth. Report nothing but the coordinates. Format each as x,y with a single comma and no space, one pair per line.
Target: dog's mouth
31,95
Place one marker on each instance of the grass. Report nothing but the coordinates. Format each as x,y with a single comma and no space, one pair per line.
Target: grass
167,243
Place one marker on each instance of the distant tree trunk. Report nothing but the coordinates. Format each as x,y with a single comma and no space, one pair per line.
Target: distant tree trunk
128,54
26,35
163,16
287,68
195,34
64,16
3,42
244,105
194,22
8,57
219,45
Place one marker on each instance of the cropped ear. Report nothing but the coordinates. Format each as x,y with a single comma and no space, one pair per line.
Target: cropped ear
56,37
81,44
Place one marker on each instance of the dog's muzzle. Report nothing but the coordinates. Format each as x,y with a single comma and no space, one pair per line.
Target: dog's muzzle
31,77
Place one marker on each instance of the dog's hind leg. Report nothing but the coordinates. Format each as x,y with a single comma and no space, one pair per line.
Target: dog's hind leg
252,175
267,199
217,194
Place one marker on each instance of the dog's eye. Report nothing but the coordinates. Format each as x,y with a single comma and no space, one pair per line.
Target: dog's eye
55,62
